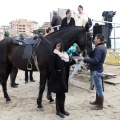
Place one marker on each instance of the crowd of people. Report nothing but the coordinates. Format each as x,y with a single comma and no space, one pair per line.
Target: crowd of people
59,64
80,19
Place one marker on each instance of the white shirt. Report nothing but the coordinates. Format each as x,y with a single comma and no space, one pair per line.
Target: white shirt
81,19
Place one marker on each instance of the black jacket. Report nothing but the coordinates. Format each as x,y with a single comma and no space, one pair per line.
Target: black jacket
64,22
56,20
58,74
97,59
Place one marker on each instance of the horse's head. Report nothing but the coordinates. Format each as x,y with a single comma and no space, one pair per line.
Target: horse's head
70,35
84,42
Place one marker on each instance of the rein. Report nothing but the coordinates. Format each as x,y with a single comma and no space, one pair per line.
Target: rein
46,40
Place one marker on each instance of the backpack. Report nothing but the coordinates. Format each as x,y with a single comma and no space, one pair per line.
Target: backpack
89,22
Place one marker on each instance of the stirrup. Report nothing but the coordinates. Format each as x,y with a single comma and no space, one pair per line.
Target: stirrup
29,66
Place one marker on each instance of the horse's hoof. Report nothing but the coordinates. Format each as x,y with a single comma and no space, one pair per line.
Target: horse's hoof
7,102
8,99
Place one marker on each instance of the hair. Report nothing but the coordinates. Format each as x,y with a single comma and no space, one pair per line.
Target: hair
62,45
68,10
100,36
47,30
81,6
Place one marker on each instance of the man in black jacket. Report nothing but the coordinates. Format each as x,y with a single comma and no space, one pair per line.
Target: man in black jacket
56,20
96,67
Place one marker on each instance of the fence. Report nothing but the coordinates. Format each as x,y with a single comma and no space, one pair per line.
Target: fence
113,58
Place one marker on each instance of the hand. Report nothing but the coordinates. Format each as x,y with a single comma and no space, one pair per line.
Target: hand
81,58
76,60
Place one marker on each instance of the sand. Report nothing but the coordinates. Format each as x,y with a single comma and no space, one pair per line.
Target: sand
23,105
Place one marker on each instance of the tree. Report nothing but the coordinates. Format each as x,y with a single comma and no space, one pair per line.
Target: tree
38,31
6,34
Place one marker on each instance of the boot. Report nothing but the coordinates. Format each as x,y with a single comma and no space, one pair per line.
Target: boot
62,107
96,100
100,104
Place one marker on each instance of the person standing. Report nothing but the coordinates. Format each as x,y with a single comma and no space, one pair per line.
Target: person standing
59,65
31,76
13,75
81,18
96,67
56,20
110,27
68,20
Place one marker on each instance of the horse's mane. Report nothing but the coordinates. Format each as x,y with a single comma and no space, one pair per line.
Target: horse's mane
66,28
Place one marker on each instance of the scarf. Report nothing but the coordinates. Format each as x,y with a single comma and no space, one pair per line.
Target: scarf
63,55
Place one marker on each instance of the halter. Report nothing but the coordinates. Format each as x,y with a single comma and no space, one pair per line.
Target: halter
86,44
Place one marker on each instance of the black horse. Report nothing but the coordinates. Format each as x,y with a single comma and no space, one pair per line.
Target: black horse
11,55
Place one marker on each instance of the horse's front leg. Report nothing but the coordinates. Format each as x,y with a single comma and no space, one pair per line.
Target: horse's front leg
4,87
43,78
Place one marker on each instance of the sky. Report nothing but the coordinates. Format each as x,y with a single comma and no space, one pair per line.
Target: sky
39,10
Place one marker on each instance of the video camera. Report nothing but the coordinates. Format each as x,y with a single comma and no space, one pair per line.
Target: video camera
108,15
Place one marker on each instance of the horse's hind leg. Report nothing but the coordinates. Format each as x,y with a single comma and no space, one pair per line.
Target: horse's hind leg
43,78
49,95
4,73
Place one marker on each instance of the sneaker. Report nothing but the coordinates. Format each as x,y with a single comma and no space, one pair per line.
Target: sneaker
32,80
60,114
14,86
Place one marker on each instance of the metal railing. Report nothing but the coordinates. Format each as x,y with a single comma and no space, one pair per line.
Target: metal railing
58,27
115,25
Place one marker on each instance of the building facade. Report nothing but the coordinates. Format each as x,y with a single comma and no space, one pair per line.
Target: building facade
22,26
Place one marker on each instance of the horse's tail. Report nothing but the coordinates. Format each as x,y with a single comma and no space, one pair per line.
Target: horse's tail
2,50
3,47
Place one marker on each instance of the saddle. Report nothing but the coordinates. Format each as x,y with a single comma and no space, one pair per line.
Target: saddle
29,50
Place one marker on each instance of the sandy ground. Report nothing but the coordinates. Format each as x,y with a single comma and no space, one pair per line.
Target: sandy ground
23,105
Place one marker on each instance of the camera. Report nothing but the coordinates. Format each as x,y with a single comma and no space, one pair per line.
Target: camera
108,15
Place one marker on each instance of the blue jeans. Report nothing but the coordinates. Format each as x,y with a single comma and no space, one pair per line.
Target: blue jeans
97,80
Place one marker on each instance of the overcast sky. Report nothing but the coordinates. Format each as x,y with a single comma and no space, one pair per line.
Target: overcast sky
39,10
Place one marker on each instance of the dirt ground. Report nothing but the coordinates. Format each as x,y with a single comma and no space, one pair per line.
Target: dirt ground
23,105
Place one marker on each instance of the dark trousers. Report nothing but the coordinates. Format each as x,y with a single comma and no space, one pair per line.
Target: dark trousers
109,39
13,75
26,75
60,102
